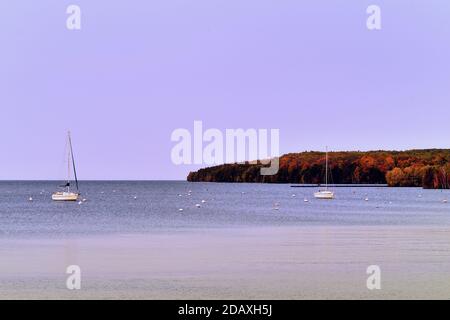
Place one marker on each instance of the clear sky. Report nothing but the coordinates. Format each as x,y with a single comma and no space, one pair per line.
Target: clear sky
139,69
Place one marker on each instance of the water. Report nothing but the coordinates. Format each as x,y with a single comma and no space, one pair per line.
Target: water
132,242
149,207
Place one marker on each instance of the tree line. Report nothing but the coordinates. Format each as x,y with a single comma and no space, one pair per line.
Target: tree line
429,169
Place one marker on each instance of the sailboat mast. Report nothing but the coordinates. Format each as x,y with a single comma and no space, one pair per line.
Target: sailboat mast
68,170
326,169
73,161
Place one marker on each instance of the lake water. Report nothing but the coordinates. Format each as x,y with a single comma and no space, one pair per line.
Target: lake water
131,241
148,207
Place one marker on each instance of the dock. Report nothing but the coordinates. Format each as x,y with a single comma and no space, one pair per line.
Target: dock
356,185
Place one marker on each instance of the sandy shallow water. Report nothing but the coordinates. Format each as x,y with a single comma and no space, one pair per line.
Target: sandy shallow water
311,262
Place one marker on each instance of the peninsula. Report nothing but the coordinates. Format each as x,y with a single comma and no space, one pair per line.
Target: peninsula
429,168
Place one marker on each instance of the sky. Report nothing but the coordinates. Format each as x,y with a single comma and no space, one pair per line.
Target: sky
138,70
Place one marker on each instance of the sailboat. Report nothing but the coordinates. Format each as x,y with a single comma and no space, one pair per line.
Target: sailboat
325,194
67,194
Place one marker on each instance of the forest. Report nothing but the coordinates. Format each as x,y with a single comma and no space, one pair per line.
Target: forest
429,169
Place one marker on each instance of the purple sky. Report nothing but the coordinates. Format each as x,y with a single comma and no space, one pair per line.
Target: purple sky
140,69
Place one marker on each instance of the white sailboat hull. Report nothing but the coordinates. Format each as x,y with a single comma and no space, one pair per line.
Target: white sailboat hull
326,195
65,196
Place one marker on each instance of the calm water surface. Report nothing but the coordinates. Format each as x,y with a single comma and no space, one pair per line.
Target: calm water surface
153,206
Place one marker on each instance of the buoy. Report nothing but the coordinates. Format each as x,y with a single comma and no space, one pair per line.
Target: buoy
293,195
180,209
80,202
203,201
135,197
197,205
366,199
276,208
306,200
180,195
30,199
445,201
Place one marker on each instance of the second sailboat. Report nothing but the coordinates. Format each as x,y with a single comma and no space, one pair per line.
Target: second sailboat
325,194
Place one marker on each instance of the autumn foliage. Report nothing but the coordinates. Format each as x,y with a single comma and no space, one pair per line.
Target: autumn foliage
415,168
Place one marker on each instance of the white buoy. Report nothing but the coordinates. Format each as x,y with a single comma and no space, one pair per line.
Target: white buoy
80,202
276,208
293,195
180,209
306,200
30,199
180,195
198,205
135,197
445,201
203,201
366,199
